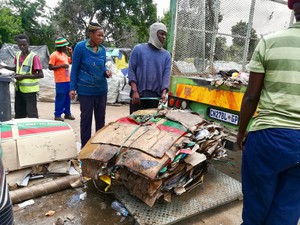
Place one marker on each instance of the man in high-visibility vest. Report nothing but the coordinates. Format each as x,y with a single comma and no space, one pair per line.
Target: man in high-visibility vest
28,70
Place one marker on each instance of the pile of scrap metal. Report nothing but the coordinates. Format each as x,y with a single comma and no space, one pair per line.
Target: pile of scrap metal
154,153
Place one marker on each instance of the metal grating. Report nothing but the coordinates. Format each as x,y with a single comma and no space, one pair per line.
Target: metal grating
216,190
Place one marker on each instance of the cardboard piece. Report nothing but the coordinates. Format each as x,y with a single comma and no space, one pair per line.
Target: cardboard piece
28,142
62,167
149,139
17,177
195,158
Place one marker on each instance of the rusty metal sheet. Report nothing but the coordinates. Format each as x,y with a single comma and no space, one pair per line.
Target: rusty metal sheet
142,163
216,190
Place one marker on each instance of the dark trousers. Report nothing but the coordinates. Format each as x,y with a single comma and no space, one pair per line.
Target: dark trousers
271,177
6,210
25,105
88,105
145,104
62,99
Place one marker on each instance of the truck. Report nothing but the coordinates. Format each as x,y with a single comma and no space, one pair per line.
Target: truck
210,41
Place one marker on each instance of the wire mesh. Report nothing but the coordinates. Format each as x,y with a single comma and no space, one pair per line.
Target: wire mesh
210,35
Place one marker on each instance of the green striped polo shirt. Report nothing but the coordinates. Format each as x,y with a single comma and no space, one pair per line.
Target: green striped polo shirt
278,56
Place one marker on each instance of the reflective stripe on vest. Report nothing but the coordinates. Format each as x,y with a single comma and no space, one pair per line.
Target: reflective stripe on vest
26,85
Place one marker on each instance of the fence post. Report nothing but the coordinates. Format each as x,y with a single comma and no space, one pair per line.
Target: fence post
248,35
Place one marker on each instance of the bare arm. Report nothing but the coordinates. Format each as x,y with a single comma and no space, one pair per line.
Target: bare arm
12,68
135,93
37,75
249,104
52,67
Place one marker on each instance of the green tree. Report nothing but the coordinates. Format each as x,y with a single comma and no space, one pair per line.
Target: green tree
220,48
34,20
239,32
125,22
10,26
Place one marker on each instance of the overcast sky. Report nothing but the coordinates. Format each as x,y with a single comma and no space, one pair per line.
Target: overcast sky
162,5
269,16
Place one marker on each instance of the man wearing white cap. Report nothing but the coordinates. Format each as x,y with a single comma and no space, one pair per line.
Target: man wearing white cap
149,70
271,156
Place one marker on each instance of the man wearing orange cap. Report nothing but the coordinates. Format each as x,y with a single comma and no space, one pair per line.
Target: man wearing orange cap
271,155
59,63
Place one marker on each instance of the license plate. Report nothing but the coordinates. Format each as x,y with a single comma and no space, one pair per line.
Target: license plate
224,116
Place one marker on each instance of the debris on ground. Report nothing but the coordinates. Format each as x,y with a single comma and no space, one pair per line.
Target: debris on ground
50,213
83,196
153,153
119,207
26,203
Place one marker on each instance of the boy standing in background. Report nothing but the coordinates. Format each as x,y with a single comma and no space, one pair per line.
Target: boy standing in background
59,63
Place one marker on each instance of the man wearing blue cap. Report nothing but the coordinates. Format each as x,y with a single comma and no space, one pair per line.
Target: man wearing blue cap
271,156
59,63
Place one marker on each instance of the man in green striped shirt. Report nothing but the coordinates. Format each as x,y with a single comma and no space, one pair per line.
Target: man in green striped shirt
271,156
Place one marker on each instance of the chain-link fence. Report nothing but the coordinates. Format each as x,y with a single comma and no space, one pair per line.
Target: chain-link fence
210,35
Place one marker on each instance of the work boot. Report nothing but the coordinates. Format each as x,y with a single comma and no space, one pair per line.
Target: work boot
69,117
59,119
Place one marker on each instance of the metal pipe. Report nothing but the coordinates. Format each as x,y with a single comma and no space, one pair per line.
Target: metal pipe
39,190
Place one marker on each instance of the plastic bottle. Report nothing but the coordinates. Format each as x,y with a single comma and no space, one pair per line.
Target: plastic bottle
119,207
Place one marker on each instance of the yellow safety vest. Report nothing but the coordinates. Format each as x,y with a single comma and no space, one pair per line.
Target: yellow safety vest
26,85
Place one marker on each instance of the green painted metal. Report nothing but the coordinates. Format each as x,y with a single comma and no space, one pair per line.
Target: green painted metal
171,31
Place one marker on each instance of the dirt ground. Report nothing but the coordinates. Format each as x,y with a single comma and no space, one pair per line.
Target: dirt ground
96,210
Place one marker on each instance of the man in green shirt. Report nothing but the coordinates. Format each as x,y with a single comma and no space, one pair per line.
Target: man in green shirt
271,156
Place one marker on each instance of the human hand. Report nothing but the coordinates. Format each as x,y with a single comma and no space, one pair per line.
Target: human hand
108,73
239,139
164,98
19,77
72,94
136,98
64,66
